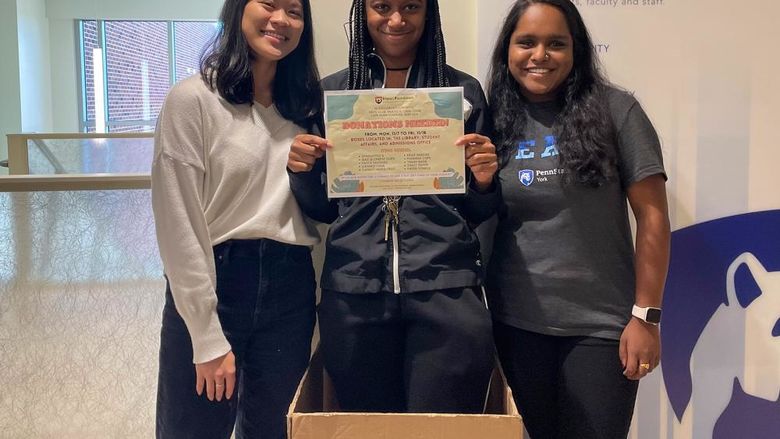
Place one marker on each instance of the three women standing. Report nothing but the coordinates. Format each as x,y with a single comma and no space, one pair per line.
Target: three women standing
403,327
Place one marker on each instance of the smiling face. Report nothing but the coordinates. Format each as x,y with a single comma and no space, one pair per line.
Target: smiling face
272,28
540,52
395,27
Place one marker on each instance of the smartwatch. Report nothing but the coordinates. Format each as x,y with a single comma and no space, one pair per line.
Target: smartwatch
648,314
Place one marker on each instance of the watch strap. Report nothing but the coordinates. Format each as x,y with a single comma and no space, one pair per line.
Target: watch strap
647,314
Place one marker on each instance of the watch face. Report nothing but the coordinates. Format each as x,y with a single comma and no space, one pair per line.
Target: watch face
653,315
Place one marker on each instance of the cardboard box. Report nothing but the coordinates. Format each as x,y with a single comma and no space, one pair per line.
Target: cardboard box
313,414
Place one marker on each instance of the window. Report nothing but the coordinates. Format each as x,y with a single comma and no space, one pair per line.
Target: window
127,68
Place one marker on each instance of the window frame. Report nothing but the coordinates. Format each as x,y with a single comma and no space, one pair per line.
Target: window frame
84,124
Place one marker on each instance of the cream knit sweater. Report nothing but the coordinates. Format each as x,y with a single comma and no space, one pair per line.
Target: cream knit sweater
219,173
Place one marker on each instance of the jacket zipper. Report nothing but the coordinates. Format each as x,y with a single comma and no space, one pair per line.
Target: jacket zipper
396,256
394,220
390,206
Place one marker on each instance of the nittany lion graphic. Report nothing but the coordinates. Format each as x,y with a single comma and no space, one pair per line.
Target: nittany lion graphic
721,334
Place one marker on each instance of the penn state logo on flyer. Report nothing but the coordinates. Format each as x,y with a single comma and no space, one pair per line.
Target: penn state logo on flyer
378,99
721,327
526,177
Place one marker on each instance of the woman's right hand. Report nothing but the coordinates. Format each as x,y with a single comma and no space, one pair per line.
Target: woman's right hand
304,152
217,376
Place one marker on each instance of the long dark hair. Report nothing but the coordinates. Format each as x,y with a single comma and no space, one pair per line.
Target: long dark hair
431,54
585,137
227,67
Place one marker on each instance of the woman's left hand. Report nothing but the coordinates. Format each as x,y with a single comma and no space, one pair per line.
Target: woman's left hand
640,348
480,158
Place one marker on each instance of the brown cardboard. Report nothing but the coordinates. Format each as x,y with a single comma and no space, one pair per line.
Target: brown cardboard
313,415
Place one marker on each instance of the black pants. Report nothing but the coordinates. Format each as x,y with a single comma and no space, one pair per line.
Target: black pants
566,387
414,352
266,302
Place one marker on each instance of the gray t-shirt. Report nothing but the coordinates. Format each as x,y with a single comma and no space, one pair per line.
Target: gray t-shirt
562,261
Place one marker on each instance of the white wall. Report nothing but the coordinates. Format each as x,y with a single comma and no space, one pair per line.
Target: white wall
330,39
34,66
134,10
65,81
490,15
459,23
10,114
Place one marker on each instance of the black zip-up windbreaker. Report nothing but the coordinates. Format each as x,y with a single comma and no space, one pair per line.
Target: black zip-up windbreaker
435,245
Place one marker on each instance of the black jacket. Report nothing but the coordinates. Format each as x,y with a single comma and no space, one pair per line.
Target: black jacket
437,247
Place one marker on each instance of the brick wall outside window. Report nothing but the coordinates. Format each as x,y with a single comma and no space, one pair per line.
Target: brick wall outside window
191,39
138,67
89,42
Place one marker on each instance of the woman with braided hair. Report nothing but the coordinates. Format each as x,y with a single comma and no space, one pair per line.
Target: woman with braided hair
402,323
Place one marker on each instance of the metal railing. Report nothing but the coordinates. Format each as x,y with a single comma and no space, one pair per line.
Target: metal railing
20,178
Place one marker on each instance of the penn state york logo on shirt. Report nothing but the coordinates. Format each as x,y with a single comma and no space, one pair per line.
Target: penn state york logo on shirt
526,177
527,152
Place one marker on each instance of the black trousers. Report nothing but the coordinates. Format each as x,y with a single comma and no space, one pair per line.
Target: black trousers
266,305
415,352
566,387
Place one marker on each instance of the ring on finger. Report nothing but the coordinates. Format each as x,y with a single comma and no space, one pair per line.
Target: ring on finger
645,366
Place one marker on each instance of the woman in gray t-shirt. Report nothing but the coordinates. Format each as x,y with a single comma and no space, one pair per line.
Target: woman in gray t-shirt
575,306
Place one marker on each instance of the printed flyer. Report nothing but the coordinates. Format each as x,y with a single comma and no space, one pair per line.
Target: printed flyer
394,142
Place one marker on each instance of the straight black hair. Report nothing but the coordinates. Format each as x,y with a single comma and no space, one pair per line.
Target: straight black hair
431,54
584,132
227,68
